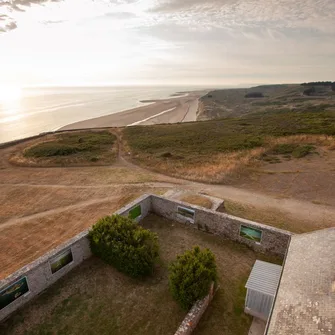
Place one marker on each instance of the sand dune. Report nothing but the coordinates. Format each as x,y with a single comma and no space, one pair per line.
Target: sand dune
173,110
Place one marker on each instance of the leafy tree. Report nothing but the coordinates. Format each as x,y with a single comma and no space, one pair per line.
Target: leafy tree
191,275
121,242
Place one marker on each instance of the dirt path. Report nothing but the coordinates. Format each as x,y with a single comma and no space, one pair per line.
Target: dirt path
302,210
299,209
78,205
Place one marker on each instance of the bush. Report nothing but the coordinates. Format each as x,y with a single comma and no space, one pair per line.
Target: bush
285,148
254,95
296,150
191,275
72,143
50,149
302,151
309,91
119,241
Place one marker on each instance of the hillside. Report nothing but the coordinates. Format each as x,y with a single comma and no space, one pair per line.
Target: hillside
287,152
233,102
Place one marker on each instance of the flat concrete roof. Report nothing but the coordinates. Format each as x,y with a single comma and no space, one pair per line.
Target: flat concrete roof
305,302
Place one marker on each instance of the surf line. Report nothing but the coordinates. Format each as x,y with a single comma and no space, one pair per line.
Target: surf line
151,117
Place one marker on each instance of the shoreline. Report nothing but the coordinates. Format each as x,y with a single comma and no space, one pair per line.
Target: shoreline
171,110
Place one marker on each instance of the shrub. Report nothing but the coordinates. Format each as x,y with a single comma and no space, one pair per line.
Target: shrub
285,148
191,275
296,150
50,149
309,91
254,95
72,143
302,151
130,248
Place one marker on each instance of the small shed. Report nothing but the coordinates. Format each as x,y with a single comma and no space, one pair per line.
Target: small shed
261,287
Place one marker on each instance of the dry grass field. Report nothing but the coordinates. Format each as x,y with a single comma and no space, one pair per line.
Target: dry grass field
43,206
96,299
198,200
239,133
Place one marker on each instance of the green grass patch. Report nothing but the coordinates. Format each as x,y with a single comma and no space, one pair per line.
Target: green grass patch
287,149
302,151
283,149
193,141
71,143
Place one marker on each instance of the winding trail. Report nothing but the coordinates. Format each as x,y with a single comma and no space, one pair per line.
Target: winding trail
299,209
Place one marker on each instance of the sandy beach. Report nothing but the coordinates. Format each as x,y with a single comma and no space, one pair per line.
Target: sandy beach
171,110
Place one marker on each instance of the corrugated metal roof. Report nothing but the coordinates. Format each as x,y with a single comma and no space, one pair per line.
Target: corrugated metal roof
264,277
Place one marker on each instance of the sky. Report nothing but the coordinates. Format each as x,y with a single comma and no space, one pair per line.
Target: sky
166,42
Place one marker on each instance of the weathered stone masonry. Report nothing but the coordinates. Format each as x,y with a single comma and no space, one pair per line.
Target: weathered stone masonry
274,240
40,277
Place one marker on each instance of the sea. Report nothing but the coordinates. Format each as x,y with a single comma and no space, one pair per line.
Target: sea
38,110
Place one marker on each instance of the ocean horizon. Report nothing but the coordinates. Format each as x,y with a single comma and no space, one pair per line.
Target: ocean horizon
41,109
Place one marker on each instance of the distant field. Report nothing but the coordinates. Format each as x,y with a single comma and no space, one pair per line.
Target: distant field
209,150
233,102
70,148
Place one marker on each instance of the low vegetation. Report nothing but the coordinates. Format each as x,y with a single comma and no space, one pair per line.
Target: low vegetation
71,148
254,95
121,242
287,150
71,143
191,276
212,150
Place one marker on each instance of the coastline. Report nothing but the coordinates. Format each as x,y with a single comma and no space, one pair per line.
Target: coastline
171,110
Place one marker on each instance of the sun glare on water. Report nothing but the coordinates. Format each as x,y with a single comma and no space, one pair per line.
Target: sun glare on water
10,103
9,94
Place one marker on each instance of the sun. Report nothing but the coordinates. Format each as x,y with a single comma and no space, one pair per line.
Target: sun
9,93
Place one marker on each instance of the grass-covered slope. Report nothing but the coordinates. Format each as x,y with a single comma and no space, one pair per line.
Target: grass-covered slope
208,137
178,149
70,148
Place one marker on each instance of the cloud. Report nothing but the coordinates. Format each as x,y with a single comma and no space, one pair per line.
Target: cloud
119,15
14,4
6,23
7,27
11,26
17,6
318,14
52,22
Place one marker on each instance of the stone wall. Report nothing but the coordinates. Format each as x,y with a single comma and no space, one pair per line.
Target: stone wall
39,275
193,317
273,240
